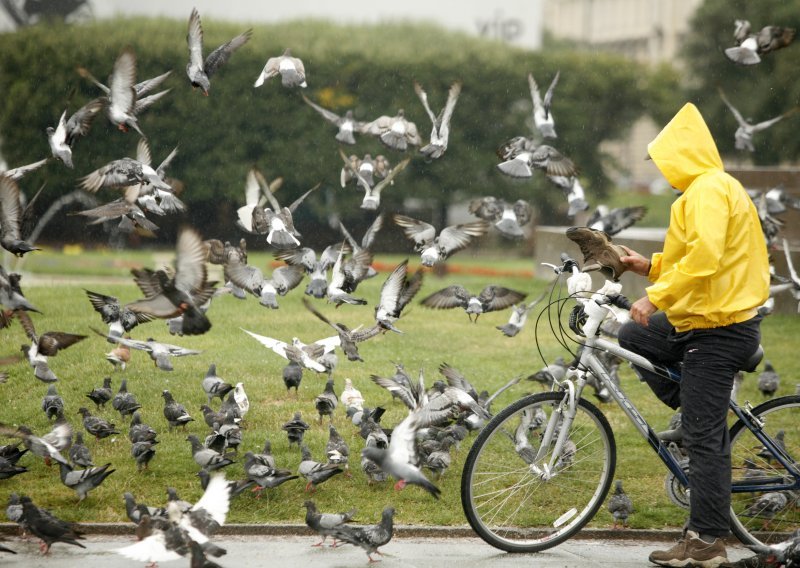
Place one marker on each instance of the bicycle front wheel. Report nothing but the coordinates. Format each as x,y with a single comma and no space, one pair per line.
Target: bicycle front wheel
516,495
765,501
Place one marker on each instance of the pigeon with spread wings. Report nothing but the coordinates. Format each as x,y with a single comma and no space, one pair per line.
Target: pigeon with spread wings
440,134
750,47
491,298
11,214
169,295
346,124
291,70
43,346
542,117
199,70
435,248
744,133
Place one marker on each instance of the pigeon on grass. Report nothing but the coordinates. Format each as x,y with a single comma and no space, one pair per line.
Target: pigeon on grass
315,472
84,480
207,458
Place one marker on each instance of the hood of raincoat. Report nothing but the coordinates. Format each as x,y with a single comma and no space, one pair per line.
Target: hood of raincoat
684,149
713,270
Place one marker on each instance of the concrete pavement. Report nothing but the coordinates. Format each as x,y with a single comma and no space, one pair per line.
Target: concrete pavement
292,551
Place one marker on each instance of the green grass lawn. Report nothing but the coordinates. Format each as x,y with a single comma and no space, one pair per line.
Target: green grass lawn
479,351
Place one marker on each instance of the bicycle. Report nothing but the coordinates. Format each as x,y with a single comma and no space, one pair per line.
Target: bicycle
542,467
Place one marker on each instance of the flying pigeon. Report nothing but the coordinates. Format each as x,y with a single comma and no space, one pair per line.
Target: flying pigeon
251,279
43,346
182,293
160,353
47,447
542,117
435,248
120,173
492,298
620,505
324,524
750,47
291,70
396,132
745,131
305,355
440,134
11,295
63,137
507,218
615,220
316,268
126,209
157,199
346,124
518,317
348,338
11,215
521,155
368,168
199,70
18,173
120,319
121,101
397,292
369,537
346,275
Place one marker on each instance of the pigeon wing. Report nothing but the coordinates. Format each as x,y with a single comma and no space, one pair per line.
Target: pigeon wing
458,237
190,263
328,115
222,54
499,298
418,231
9,207
450,297
194,38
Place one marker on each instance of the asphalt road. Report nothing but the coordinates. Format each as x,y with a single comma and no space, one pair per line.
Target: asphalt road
298,552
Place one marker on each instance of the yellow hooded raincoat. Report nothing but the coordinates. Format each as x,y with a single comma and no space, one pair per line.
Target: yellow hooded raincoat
713,270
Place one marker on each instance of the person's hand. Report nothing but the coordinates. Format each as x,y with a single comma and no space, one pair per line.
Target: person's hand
635,262
642,309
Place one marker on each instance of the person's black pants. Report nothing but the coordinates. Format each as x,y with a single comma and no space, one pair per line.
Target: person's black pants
710,358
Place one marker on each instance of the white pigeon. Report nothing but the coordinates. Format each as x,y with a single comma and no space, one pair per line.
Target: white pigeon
305,355
351,397
745,131
440,134
241,398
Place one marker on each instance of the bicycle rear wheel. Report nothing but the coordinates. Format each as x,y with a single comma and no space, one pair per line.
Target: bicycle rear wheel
513,507
766,515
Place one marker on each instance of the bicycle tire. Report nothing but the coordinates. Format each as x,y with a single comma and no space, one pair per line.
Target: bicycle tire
544,512
752,522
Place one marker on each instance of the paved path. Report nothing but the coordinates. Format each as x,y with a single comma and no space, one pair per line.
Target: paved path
298,552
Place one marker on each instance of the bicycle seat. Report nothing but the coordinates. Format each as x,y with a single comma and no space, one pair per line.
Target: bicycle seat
752,362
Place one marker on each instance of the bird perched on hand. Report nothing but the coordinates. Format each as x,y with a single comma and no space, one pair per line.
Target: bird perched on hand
97,426
346,124
313,471
295,429
291,70
370,537
620,505
599,252
542,117
175,412
746,130
615,220
199,70
394,131
47,527
768,380
11,216
182,293
435,248
491,298
325,523
750,47
120,319
207,458
84,480
125,402
43,346
440,134
508,218
63,137
52,403
327,401
215,386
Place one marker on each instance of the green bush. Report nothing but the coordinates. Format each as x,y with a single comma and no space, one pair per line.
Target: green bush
368,69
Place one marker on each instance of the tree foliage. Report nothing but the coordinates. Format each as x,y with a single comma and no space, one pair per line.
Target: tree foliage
759,92
368,69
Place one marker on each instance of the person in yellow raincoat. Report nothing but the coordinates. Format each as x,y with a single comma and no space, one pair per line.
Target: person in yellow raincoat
701,311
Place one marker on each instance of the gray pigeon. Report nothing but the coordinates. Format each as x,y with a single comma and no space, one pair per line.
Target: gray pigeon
542,117
295,429
435,248
84,480
316,268
519,316
291,70
174,412
397,292
395,132
79,454
369,537
744,132
52,403
139,431
325,524
260,468
615,220
508,218
492,298
160,353
47,447
551,373
750,47
142,452
199,70
346,124
119,319
214,386
251,279
97,426
313,471
292,376
43,346
11,295
338,451
207,458
440,134
125,402
768,380
122,173
327,401
620,505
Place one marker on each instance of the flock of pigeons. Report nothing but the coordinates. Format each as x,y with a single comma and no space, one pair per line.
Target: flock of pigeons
438,417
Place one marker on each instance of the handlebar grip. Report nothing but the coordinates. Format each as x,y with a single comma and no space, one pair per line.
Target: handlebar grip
567,263
620,301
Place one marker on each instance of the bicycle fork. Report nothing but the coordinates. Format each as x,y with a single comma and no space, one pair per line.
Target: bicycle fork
558,426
